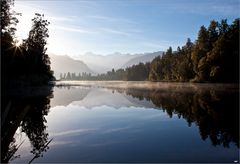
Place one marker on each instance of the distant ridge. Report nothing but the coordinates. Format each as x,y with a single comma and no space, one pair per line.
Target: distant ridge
147,57
102,64
95,64
64,64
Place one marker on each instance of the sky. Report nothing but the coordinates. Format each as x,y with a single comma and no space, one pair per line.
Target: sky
126,26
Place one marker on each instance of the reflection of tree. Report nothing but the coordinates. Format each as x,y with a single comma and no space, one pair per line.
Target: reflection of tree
215,112
27,111
34,124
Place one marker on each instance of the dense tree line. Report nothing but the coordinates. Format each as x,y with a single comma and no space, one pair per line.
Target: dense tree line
25,63
214,57
138,72
74,76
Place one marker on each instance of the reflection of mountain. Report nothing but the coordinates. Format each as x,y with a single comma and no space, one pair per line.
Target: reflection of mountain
26,109
100,97
93,97
63,96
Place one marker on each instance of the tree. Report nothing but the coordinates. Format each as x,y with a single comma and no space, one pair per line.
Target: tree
199,53
27,63
213,32
35,45
183,69
61,76
68,77
138,72
223,27
8,48
224,57
156,69
8,18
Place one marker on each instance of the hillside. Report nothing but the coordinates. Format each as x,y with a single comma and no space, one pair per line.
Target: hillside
115,60
103,63
64,64
147,57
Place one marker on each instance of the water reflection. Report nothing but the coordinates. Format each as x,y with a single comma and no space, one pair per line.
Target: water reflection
64,95
214,110
94,134
25,109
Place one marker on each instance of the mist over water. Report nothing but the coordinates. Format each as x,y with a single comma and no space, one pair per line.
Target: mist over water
176,86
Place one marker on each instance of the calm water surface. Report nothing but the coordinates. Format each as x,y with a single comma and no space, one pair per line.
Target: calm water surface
95,124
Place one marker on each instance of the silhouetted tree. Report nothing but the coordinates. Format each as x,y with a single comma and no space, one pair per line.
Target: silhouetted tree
8,18
199,55
27,63
35,45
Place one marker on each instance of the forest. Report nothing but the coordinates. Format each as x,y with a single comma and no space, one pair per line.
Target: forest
213,57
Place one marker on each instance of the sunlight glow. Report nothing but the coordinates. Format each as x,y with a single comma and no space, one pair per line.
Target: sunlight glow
17,47
18,43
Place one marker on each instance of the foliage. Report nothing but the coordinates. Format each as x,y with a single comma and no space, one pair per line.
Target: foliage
27,63
173,66
214,57
8,17
35,45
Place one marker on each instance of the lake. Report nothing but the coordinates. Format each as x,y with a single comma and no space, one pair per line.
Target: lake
122,122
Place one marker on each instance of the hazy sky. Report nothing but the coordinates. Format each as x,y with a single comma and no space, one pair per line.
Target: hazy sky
126,26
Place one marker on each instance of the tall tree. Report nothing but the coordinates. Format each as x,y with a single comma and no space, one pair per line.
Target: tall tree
183,69
212,32
8,17
223,27
156,69
199,54
224,57
8,49
35,45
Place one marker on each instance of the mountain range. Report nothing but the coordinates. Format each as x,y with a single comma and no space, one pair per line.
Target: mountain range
103,63
143,58
95,97
64,64
96,63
